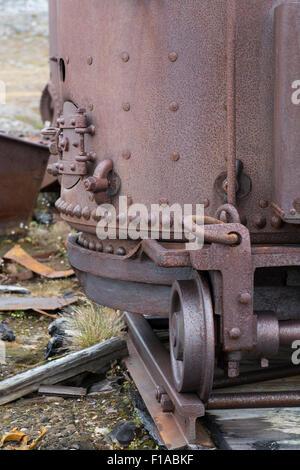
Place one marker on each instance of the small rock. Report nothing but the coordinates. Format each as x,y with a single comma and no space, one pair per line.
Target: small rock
119,380
110,411
56,346
100,387
70,428
102,431
45,420
43,217
6,333
123,433
84,444
57,327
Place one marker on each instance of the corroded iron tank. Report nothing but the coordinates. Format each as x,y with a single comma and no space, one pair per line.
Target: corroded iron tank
192,102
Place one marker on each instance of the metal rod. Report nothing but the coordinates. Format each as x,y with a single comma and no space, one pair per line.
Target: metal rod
257,376
231,102
227,401
289,331
191,223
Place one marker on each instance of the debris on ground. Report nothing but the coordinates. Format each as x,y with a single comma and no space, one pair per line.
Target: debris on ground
95,359
100,387
35,303
64,392
60,341
43,217
14,290
18,255
17,436
124,433
6,333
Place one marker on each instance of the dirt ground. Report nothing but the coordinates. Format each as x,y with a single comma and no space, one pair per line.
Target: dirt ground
70,423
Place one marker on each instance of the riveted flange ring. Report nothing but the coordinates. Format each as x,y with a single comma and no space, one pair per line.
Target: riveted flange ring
192,343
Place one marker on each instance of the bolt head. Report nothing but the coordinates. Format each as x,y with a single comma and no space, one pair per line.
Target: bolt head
126,155
235,333
174,106
245,298
173,56
175,157
125,56
126,107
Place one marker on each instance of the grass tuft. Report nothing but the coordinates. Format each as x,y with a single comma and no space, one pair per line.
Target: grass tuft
91,324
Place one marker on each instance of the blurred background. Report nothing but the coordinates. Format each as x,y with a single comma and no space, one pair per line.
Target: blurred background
24,63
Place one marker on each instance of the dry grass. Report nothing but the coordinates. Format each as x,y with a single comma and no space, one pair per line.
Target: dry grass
91,324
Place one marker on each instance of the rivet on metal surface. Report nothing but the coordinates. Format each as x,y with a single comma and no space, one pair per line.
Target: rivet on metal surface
126,155
166,404
77,212
263,203
173,56
99,247
95,216
163,202
235,333
293,212
90,60
126,107
125,56
174,106
86,213
245,298
121,251
276,222
174,157
92,246
109,249
70,210
259,222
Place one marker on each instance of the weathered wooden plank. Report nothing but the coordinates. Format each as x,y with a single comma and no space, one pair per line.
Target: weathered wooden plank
97,358
257,429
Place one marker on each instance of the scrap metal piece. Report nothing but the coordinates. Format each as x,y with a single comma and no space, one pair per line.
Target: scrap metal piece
22,168
35,303
18,255
60,391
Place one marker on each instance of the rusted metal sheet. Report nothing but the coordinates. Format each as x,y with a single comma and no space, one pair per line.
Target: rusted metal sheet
182,109
33,303
18,255
22,168
287,113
